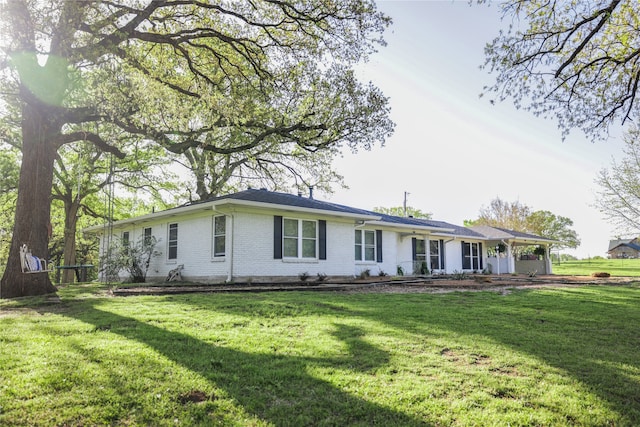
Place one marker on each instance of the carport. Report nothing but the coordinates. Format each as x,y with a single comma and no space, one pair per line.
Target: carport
506,261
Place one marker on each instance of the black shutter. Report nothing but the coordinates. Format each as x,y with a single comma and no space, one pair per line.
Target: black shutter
378,245
322,237
277,237
480,255
414,255
441,251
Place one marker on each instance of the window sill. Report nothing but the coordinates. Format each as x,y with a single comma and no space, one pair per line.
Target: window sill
300,260
366,263
219,259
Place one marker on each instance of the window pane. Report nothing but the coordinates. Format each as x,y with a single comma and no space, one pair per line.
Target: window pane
369,238
420,247
466,250
219,246
474,249
290,248
435,262
173,252
173,241
309,229
173,232
358,253
309,248
291,227
220,225
370,254
358,237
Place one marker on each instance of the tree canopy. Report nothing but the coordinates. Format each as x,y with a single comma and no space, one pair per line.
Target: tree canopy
618,198
500,213
223,77
520,217
576,60
401,211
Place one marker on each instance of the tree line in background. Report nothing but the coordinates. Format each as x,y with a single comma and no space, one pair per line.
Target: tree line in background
520,217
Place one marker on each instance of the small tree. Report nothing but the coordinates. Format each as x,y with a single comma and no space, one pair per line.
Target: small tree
134,259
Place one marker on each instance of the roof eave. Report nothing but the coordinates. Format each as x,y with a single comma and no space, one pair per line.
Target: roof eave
221,203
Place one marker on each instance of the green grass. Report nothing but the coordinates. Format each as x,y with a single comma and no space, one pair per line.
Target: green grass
616,267
551,357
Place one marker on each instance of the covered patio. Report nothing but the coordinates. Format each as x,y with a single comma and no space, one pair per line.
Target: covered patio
505,242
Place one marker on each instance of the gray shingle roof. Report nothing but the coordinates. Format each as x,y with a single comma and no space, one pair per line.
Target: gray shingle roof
627,242
498,233
286,199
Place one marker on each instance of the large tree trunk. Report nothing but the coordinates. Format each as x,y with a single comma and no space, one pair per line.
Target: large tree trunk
32,220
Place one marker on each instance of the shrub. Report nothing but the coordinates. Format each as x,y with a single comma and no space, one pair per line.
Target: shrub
459,275
420,268
303,276
133,258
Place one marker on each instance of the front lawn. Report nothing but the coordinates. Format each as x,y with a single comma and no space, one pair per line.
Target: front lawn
536,357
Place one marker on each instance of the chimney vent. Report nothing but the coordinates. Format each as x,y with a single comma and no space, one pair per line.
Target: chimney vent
311,192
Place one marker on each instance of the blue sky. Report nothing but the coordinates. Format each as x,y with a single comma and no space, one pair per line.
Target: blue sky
453,151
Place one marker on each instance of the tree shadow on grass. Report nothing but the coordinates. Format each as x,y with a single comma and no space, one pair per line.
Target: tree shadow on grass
274,388
592,337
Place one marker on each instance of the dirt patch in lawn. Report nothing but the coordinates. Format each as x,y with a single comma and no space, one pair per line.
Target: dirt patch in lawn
436,284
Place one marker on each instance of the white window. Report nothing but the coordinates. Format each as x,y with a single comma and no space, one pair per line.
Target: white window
435,253
219,235
471,256
299,238
172,242
365,245
147,236
421,250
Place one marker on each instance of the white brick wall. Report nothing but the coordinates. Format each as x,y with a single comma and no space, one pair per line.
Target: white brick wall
250,236
253,249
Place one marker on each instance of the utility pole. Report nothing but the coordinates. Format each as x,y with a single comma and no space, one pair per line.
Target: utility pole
404,204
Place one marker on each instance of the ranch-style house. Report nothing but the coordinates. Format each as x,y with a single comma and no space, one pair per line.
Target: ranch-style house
262,235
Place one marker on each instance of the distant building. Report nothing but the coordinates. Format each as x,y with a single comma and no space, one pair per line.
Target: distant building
624,248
